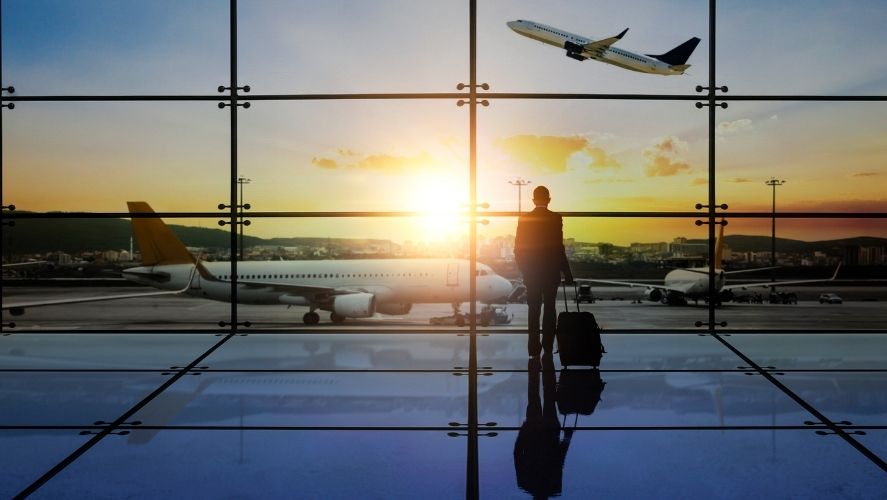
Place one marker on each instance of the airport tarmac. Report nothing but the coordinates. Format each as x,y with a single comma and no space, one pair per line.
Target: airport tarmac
615,309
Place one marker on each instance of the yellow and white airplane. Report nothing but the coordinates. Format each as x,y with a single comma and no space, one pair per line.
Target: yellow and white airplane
673,62
692,283
345,288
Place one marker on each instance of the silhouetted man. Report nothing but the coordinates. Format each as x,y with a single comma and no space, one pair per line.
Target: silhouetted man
540,255
539,452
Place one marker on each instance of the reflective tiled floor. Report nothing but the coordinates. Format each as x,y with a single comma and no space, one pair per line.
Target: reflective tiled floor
390,416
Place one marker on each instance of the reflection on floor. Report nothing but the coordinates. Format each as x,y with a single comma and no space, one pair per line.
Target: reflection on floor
387,416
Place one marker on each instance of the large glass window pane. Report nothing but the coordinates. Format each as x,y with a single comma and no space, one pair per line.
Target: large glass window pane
635,270
398,464
594,155
352,46
102,274
86,156
809,47
510,62
120,47
830,155
816,294
355,155
759,462
364,272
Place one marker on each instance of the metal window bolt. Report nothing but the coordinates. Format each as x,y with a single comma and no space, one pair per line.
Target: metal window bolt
11,208
8,90
461,86
700,206
245,105
118,433
482,102
699,105
700,323
700,88
458,434
245,206
701,222
11,324
243,323
225,222
223,88
842,422
825,433
12,105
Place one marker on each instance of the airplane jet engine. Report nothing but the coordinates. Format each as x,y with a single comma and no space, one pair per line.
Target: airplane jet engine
394,309
355,305
653,294
726,295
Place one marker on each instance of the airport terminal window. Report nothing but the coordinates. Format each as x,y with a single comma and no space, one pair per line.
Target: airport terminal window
340,405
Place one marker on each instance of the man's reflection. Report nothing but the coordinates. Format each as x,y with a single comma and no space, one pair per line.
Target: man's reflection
539,452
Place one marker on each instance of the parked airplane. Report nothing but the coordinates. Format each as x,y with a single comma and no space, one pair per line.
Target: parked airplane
346,288
673,62
692,283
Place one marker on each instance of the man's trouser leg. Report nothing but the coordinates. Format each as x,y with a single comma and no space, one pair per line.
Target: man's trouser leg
534,309
549,315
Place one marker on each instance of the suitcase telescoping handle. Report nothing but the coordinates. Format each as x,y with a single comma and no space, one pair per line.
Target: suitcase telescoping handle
575,290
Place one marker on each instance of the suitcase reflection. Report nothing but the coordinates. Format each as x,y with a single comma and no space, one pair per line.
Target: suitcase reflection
540,451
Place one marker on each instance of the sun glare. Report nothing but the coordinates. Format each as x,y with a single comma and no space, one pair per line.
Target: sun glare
441,201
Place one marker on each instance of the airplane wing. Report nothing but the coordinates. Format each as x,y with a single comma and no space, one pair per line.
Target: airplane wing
19,308
81,300
740,271
781,283
633,284
598,47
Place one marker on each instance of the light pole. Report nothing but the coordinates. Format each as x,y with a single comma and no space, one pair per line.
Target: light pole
773,182
520,183
240,207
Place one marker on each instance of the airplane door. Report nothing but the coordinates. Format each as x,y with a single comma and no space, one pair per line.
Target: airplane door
453,274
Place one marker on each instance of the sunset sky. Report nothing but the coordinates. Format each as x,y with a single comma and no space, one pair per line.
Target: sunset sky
413,155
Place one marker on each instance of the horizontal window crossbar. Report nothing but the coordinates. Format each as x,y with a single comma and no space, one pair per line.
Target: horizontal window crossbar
399,214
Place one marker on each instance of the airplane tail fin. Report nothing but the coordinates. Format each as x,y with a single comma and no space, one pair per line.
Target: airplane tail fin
157,242
678,55
719,248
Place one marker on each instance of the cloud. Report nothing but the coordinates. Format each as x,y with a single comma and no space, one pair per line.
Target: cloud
734,127
699,181
326,163
376,162
550,153
739,180
662,158
865,174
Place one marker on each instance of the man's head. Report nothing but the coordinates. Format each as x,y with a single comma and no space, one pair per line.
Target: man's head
541,197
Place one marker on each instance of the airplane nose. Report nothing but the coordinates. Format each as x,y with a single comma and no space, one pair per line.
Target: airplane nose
513,25
500,288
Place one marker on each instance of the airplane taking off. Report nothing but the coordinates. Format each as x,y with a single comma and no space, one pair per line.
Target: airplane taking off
673,62
346,288
692,283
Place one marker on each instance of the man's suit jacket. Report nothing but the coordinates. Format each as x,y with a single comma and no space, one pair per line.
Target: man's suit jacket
539,246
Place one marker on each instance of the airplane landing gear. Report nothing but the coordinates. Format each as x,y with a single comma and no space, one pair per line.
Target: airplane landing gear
458,317
337,319
311,318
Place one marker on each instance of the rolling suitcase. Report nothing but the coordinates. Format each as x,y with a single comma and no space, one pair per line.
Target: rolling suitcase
578,337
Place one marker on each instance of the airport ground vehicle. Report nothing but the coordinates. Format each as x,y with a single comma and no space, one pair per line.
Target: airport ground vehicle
830,298
493,315
783,298
585,295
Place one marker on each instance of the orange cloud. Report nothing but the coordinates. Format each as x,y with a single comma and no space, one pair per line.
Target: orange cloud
865,174
377,162
326,163
699,181
739,180
662,158
550,153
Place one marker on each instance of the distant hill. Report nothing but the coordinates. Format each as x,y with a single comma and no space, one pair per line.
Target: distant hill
742,243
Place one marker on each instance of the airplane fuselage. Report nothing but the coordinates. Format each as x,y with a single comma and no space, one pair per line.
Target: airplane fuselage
611,55
391,281
694,281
